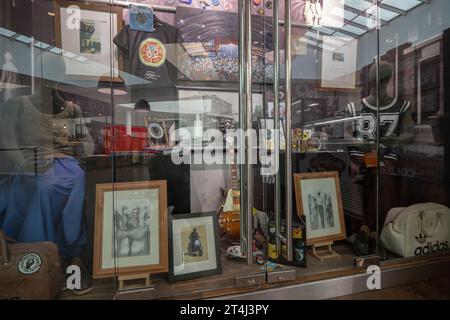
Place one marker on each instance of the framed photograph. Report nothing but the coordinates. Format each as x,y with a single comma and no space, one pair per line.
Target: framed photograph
130,228
194,246
212,54
318,197
226,102
339,63
84,32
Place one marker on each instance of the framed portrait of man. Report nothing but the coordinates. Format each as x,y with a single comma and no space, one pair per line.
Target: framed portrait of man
194,250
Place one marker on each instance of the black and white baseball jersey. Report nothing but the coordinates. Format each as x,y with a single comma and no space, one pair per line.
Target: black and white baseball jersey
366,123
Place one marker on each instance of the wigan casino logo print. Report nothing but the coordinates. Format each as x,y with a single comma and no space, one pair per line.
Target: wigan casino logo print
29,263
152,52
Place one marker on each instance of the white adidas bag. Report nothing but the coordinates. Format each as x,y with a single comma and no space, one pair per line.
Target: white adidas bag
417,230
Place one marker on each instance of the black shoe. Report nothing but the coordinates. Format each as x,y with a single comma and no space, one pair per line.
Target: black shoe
361,246
87,284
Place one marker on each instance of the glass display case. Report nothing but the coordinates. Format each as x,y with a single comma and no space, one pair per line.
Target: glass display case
228,149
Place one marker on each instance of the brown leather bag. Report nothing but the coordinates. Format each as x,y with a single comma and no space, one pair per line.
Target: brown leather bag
30,271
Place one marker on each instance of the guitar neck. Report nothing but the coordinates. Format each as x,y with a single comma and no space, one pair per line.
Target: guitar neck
234,171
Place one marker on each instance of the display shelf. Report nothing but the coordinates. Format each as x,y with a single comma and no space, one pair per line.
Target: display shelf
223,284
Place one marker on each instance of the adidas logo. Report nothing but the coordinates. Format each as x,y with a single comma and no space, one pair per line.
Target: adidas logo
421,239
431,247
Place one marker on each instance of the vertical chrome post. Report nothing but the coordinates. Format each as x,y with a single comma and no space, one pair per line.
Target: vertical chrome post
276,107
288,97
242,126
249,127
33,71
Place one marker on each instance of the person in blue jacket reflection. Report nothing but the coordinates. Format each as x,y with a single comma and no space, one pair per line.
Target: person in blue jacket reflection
42,186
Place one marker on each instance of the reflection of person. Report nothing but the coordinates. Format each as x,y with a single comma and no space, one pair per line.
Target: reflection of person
394,128
321,209
312,204
329,211
41,136
396,125
8,78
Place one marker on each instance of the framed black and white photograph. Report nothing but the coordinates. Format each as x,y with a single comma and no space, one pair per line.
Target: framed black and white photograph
130,228
194,250
224,102
84,31
318,198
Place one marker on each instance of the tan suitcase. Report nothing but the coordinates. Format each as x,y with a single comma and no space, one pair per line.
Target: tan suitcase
29,271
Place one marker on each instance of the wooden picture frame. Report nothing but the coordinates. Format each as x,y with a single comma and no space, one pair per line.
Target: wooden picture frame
180,231
91,66
111,257
318,194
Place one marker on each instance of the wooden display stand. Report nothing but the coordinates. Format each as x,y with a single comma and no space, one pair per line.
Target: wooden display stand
324,254
125,285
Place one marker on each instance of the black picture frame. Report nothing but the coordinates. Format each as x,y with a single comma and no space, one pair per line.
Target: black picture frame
185,276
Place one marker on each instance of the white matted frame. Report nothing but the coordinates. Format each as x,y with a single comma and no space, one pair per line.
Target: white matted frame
114,226
339,58
105,22
188,261
318,198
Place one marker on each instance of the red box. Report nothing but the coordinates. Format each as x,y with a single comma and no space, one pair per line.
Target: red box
123,142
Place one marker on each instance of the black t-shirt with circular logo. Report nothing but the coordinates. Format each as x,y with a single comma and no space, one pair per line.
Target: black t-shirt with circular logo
151,56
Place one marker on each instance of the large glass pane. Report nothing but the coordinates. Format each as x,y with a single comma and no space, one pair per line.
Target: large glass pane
53,120
197,149
176,197
334,135
121,124
414,53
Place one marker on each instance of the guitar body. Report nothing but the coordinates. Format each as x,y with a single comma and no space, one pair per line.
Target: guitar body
229,223
230,217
